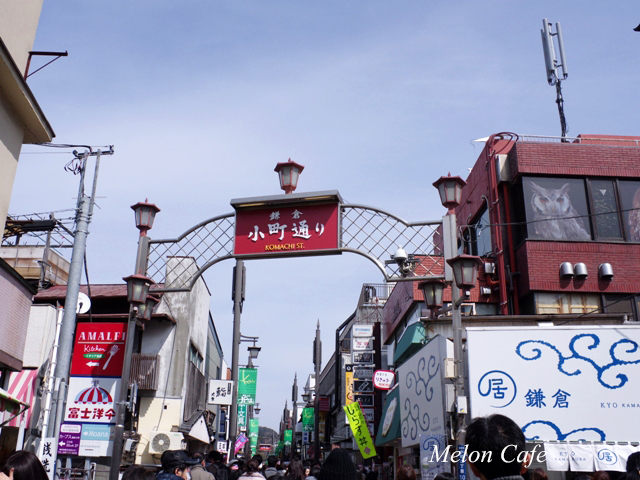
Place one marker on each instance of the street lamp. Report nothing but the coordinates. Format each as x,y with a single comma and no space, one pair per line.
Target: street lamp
256,409
450,189
145,310
137,288
432,291
465,270
145,215
289,173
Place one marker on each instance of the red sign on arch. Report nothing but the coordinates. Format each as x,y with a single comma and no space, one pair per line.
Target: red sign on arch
287,229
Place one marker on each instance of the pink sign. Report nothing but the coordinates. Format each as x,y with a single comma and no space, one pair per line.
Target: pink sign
279,230
383,379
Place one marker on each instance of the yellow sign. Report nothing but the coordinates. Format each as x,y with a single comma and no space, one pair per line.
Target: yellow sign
348,391
360,430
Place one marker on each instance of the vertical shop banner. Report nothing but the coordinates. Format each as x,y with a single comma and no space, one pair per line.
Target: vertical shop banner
242,415
92,400
360,430
49,455
247,381
348,381
288,437
308,417
254,428
99,349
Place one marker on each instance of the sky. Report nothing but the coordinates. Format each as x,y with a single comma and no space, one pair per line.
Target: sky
376,99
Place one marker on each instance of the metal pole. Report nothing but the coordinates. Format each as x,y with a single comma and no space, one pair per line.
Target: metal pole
451,243
316,403
68,328
237,311
121,406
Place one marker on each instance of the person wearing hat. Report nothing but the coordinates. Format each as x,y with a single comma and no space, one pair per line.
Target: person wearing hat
175,465
338,466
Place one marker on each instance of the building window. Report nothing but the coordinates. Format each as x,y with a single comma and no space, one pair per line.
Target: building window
195,357
630,203
620,304
567,303
556,208
606,220
476,238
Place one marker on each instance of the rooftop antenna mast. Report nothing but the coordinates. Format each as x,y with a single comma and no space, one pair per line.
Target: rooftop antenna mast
552,66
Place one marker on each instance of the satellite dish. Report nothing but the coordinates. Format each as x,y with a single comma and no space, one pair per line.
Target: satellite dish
84,304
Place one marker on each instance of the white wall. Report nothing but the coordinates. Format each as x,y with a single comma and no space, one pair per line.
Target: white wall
18,23
40,335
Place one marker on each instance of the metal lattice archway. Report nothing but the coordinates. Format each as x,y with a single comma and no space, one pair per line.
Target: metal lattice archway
367,231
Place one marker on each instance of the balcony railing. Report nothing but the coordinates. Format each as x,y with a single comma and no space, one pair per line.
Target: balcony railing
144,371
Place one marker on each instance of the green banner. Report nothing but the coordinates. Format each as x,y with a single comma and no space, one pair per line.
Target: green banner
254,428
308,419
242,415
279,447
288,437
247,381
360,430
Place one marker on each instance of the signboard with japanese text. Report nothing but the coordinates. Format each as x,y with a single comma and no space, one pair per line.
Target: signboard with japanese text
348,382
360,430
220,392
99,349
69,439
288,437
92,400
49,455
362,373
285,230
254,427
429,464
421,389
362,331
558,383
362,358
362,343
242,415
383,379
247,382
363,386
364,400
368,415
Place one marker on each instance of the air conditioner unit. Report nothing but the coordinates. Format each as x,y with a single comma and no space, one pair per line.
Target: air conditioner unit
162,441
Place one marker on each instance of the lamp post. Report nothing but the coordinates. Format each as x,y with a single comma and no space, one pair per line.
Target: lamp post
141,305
461,271
289,172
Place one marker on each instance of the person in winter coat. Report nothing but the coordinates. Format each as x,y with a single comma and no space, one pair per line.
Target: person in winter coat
252,470
271,470
175,465
198,471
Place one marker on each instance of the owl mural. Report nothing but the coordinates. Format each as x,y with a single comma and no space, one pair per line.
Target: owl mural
634,218
554,216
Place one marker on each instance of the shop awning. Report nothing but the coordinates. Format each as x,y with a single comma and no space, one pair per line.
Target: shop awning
412,341
11,405
389,428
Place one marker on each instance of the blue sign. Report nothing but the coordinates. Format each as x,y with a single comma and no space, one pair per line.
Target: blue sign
462,466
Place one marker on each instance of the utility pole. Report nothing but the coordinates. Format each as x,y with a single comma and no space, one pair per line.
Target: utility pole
68,327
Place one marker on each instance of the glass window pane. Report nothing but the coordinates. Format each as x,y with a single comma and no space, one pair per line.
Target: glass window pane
630,203
483,235
618,304
558,303
605,209
556,208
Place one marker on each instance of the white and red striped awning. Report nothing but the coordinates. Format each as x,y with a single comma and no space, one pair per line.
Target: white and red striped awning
22,387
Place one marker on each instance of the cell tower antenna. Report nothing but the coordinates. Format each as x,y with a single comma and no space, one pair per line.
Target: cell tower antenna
552,66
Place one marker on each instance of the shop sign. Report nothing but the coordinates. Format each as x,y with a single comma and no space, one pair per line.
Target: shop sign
92,400
220,392
95,440
362,373
99,349
362,343
560,383
364,400
242,415
287,230
69,439
360,430
383,379
362,358
363,386
362,331
348,382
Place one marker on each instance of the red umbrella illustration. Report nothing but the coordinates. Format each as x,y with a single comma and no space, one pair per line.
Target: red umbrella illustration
94,394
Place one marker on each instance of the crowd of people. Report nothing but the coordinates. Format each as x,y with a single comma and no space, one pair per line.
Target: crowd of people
492,434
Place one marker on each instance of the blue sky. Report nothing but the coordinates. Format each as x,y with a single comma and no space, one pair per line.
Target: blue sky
377,99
